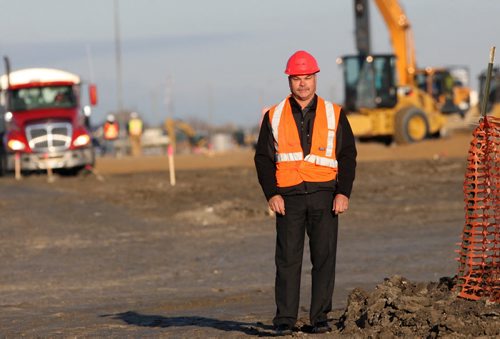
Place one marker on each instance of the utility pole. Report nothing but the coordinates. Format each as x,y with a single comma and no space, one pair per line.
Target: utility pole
118,58
169,101
169,121
210,98
90,64
154,103
87,110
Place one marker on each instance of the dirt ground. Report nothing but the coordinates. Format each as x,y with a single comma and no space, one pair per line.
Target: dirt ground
124,254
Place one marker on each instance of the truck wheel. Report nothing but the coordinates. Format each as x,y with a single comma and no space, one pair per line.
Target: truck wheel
3,162
3,165
410,126
71,172
92,161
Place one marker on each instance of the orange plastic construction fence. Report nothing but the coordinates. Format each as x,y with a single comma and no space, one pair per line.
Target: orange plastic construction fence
479,252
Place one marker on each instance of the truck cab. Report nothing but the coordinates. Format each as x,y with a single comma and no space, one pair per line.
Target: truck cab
42,124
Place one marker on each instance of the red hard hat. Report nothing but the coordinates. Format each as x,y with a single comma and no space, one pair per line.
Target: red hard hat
301,63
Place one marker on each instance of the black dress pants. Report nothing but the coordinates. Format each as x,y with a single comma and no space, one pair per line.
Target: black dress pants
311,213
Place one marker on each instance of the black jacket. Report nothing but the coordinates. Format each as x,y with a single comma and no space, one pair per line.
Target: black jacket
345,153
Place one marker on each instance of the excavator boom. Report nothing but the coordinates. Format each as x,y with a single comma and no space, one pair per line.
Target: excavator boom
362,24
401,37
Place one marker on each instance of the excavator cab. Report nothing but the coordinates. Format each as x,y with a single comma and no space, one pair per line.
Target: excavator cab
369,81
448,86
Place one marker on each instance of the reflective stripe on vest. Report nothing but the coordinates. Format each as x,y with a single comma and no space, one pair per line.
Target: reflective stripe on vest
276,122
322,161
296,156
330,117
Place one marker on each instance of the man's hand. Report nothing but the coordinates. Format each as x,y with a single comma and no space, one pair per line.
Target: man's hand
277,204
340,203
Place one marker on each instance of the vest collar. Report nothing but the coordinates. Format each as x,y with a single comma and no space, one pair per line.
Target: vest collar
310,107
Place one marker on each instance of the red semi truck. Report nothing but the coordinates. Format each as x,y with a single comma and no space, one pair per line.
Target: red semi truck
42,122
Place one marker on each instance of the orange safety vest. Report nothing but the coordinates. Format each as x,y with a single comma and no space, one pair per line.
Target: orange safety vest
110,130
320,164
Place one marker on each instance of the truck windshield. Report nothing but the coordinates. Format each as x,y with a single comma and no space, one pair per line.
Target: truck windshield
25,99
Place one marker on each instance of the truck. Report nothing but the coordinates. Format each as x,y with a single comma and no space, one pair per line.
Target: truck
386,95
42,123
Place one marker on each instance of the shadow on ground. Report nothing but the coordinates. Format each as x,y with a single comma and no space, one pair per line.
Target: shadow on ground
133,318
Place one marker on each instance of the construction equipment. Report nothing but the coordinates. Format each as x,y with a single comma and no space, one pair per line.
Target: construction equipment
449,86
381,90
173,126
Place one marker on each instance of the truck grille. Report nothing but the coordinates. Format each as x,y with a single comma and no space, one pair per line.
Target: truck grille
49,137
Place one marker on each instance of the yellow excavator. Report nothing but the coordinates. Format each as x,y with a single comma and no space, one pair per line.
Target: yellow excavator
173,126
381,90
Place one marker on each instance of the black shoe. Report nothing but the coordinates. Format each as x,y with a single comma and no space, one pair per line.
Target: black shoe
321,327
283,329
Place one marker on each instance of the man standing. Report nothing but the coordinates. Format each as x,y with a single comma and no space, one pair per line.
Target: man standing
306,160
110,132
134,128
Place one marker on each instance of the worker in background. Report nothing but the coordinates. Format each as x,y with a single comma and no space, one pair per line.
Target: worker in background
448,84
134,128
306,160
110,131
61,99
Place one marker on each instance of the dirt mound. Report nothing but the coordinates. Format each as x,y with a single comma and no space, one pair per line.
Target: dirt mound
401,308
221,213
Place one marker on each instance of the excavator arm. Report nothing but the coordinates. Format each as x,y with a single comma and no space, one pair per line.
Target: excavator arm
401,37
172,126
362,24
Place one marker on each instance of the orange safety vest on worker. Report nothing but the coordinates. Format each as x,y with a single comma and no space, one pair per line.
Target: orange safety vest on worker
110,130
320,165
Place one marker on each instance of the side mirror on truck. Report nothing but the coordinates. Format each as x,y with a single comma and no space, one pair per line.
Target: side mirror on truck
93,94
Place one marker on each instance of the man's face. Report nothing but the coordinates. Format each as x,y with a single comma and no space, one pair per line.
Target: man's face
303,87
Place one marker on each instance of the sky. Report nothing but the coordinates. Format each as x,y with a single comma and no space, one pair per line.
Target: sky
224,59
